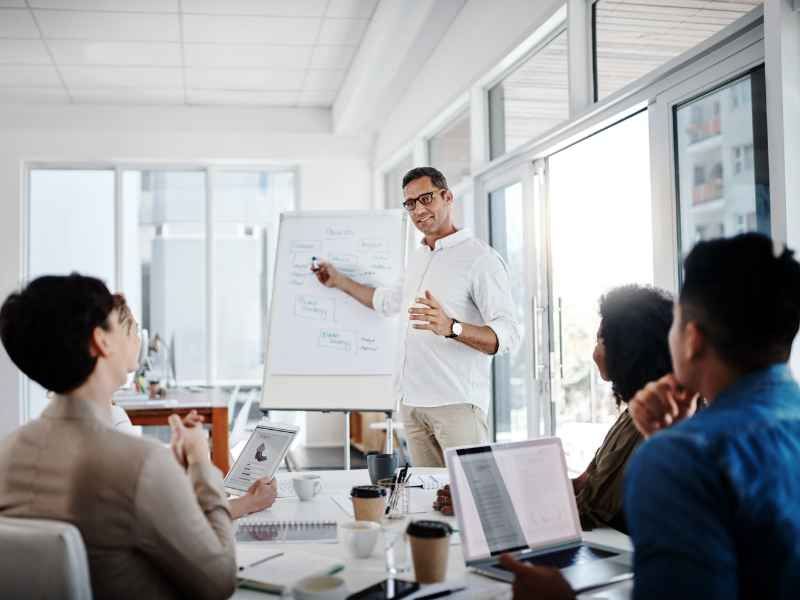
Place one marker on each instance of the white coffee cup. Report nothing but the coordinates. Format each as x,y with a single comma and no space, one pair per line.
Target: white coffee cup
307,486
320,588
360,537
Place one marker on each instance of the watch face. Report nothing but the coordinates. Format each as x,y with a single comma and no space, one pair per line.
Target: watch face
457,328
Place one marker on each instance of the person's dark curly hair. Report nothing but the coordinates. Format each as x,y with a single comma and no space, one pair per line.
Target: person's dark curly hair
635,323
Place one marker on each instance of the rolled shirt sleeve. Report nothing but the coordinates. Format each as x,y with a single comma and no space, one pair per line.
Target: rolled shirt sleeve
491,292
388,300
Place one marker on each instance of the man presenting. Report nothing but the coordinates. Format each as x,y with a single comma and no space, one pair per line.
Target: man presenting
456,293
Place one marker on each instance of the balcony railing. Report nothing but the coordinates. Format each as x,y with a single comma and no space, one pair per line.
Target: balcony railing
705,192
700,131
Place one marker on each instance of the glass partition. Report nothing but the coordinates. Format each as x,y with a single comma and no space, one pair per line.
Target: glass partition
448,150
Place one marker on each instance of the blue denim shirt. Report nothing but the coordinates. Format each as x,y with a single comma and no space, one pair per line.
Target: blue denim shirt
713,503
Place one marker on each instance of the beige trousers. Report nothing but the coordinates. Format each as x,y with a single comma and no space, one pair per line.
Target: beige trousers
431,431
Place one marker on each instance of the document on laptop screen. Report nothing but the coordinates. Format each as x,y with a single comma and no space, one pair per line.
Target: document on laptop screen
512,498
259,457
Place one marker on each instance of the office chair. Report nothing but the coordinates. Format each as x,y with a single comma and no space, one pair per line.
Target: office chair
43,559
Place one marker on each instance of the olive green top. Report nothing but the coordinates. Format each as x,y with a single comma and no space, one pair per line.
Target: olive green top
600,501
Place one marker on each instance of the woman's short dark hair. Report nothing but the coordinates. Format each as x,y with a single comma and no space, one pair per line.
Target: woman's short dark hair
635,324
744,298
47,326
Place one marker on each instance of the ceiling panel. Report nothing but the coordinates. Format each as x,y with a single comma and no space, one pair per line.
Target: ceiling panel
268,8
81,25
122,76
227,97
249,30
48,95
13,4
254,56
316,98
26,75
24,52
117,95
323,79
244,79
78,52
113,5
342,32
17,23
351,8
333,57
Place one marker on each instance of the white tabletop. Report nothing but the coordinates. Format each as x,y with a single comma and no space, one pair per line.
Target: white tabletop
362,573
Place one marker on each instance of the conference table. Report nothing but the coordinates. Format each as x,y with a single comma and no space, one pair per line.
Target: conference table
359,574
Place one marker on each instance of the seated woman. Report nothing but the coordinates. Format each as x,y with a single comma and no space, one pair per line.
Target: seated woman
631,351
153,527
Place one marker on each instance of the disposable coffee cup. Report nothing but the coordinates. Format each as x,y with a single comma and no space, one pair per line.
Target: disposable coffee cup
430,545
381,466
369,502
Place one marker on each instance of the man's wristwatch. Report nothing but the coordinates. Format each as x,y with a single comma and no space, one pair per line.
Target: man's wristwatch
455,329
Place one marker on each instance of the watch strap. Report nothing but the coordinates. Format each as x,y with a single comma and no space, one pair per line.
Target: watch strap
452,335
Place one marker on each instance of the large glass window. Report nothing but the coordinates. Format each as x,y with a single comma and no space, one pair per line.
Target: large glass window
634,37
723,178
601,237
448,151
510,396
394,182
531,100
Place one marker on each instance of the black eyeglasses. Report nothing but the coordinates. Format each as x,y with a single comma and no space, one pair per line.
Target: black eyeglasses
424,199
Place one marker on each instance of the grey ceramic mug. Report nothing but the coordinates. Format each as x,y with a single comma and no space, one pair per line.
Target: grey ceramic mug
381,466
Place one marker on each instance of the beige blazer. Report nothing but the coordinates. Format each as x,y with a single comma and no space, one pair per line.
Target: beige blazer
151,530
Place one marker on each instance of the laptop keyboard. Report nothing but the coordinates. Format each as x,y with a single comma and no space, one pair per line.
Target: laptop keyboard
566,558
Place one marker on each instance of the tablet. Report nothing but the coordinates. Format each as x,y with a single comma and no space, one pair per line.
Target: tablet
261,457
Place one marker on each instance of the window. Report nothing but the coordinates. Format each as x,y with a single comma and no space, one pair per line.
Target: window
510,395
610,244
735,197
448,150
163,257
394,182
531,100
632,37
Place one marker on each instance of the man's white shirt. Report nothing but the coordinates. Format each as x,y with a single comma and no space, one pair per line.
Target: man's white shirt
471,282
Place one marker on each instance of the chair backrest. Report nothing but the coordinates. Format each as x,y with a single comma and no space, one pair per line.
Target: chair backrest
40,558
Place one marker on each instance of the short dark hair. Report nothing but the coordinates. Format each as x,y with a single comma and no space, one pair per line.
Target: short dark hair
635,327
437,179
744,299
46,328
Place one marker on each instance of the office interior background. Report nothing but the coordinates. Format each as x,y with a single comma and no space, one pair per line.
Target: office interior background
154,144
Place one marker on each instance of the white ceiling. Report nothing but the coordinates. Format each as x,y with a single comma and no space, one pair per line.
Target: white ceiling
197,52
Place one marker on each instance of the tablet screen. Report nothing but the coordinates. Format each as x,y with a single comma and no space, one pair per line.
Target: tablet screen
260,457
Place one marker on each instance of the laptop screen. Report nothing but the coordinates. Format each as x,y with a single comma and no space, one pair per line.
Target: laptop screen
512,496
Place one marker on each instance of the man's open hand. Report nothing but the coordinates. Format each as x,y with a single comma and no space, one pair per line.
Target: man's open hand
536,583
437,321
661,403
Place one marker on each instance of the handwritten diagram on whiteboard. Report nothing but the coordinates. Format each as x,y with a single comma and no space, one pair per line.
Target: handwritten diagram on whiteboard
323,331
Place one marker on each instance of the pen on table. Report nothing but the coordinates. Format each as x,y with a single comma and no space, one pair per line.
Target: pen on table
441,594
258,562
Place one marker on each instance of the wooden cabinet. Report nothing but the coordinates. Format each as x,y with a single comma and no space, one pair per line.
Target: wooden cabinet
361,436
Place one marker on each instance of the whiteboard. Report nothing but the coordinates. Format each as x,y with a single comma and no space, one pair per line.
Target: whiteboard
325,350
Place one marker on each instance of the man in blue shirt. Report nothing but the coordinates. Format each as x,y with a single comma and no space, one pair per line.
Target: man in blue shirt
713,501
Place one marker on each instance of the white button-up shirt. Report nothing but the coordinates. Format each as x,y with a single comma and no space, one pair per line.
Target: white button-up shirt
471,282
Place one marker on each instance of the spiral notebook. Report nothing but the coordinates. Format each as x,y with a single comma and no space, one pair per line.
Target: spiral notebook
261,530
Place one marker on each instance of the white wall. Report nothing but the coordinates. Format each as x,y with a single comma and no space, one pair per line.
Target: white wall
335,170
480,36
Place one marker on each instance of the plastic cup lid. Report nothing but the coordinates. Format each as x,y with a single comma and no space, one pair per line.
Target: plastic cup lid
367,491
429,529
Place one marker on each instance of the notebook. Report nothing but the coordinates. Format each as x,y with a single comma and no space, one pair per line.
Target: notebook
262,530
277,575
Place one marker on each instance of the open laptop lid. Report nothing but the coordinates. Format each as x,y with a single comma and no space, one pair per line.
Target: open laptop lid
262,455
512,496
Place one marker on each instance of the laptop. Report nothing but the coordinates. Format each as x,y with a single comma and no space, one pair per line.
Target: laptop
261,457
517,498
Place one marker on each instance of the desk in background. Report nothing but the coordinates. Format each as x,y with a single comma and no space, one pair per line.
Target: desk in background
362,573
208,402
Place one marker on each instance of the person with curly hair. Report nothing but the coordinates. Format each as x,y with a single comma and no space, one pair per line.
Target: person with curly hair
631,351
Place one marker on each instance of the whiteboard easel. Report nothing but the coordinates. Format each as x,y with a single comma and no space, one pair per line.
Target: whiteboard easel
331,393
